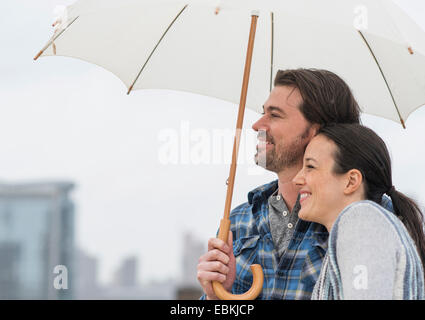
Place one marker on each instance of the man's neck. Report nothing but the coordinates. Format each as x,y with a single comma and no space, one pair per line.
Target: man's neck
287,188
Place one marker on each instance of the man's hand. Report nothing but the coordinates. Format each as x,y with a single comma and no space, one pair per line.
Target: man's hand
218,264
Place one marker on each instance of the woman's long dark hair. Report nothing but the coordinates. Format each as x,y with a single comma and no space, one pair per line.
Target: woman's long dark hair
359,147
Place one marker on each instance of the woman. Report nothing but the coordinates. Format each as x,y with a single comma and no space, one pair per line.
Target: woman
372,253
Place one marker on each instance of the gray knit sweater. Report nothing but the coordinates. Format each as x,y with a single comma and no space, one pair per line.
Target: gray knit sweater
370,256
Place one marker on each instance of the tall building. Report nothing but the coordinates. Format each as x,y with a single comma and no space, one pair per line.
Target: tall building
126,275
193,248
125,284
85,282
189,287
36,240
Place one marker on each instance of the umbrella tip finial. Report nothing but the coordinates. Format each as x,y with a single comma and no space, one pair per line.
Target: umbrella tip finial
403,124
129,89
217,10
410,50
38,55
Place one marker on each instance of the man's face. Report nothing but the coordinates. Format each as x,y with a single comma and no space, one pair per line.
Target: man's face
283,131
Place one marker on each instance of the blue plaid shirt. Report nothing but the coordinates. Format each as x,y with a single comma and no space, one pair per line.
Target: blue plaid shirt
294,274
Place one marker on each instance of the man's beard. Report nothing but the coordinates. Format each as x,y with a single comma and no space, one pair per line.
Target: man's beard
276,160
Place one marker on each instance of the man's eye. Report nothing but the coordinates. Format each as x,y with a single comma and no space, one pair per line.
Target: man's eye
309,166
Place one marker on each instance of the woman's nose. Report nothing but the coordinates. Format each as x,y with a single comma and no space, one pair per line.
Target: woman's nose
299,178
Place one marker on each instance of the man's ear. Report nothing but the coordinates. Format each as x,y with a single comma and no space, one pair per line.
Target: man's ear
353,182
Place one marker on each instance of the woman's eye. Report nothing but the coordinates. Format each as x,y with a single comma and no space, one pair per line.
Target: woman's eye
309,166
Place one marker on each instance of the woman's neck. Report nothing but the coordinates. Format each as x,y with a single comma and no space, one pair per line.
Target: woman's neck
333,215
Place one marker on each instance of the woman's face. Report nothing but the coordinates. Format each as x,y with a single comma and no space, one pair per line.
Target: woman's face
322,191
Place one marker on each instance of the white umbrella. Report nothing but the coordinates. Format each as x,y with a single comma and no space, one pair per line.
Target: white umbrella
184,45
199,46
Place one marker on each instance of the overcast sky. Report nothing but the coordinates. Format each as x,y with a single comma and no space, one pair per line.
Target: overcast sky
69,120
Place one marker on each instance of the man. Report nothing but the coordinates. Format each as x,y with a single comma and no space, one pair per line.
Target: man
266,230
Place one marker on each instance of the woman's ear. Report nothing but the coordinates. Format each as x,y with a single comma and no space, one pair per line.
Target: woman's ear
353,182
315,129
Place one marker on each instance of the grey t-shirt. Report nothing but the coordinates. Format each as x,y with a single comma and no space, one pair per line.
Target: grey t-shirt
282,222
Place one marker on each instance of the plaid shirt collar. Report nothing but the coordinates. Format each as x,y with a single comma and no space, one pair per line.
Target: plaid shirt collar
260,195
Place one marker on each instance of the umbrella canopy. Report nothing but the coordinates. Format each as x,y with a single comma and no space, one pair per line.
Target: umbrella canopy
199,46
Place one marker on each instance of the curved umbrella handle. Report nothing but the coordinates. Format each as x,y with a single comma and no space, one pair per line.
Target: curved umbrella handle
251,294
257,274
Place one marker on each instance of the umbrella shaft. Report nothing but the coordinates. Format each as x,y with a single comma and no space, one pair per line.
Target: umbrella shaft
239,122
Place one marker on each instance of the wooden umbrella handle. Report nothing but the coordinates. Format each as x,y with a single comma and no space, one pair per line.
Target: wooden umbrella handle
257,272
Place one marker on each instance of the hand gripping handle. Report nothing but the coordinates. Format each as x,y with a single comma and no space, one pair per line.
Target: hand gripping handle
257,274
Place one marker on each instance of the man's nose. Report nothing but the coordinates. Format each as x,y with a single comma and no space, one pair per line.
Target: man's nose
259,125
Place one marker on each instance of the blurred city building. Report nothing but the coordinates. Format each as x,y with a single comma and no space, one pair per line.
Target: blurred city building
86,276
36,240
125,285
126,275
189,288
154,290
125,282
38,259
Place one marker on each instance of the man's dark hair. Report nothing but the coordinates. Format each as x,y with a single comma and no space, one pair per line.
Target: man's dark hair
326,97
